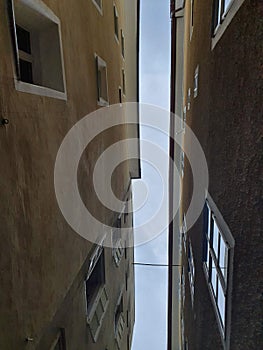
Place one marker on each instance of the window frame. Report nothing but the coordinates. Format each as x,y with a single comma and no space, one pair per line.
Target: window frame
116,23
196,81
119,323
98,7
182,155
118,245
100,299
214,262
191,271
61,339
101,64
37,89
123,75
122,44
225,18
191,19
183,119
184,232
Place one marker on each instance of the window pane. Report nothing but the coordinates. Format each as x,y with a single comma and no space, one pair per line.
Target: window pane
214,278
116,23
226,5
23,39
221,302
223,258
216,14
215,238
26,71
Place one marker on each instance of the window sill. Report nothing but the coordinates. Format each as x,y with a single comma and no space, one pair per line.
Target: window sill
102,103
39,90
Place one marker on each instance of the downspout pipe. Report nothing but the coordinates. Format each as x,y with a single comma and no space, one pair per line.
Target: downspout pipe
171,175
173,17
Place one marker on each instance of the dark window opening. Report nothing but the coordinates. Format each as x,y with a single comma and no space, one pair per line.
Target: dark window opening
61,342
120,95
116,22
26,71
95,281
23,39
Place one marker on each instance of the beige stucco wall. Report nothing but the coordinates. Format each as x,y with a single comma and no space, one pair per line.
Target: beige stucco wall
40,254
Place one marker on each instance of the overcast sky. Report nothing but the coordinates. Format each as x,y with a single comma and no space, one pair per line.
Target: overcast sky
151,282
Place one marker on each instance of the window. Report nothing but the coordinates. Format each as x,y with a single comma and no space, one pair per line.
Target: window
182,329
98,5
102,82
122,44
216,15
126,212
191,271
127,318
184,231
182,163
183,120
119,321
222,9
183,286
128,341
37,48
25,56
116,23
192,19
189,99
96,295
117,244
196,81
120,95
123,82
60,342
216,255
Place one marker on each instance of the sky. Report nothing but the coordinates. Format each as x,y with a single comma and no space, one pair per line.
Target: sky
150,330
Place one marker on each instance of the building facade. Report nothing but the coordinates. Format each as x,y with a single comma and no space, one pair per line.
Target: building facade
215,298
60,61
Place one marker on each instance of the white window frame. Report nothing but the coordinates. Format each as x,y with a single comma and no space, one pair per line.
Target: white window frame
196,81
101,64
116,23
122,44
191,271
183,119
120,326
183,287
41,8
98,7
123,75
184,232
225,19
191,19
225,281
118,246
182,163
60,335
100,303
189,99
